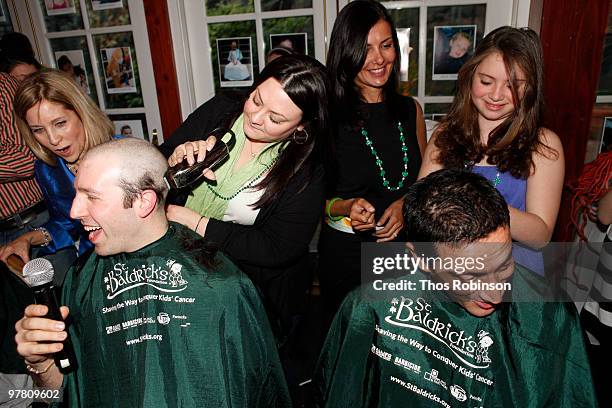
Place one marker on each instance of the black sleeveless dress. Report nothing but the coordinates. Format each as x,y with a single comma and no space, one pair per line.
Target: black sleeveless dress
359,176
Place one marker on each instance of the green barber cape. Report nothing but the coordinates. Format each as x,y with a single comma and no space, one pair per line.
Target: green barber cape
421,352
154,328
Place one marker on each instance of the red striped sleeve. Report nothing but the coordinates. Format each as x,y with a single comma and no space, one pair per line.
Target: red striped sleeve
18,190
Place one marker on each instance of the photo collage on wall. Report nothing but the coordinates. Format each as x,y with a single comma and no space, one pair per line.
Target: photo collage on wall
403,37
118,72
452,47
296,42
106,4
101,58
131,125
129,128
59,7
235,61
72,62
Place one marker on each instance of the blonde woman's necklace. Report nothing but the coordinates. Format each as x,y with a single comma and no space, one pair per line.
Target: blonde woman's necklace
73,167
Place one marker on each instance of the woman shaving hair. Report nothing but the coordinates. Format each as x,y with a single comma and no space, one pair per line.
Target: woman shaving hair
494,128
264,203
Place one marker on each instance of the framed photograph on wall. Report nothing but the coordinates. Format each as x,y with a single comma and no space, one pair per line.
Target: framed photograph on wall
58,7
297,42
118,71
106,4
606,135
403,36
452,46
72,62
234,59
129,128
131,125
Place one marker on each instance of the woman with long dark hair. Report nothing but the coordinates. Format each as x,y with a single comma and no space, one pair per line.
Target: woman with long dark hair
265,203
376,146
494,127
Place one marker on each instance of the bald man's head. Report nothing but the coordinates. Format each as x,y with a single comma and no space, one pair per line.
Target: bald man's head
139,166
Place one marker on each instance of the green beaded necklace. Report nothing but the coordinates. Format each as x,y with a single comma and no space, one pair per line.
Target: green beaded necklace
379,161
246,186
496,180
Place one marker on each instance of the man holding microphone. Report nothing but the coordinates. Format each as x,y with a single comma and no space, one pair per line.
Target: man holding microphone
158,318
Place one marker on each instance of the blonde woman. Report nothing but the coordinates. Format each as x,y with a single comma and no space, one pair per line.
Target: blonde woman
59,123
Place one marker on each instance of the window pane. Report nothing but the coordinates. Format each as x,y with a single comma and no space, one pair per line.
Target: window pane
6,25
61,15
226,7
242,34
600,132
605,76
457,26
72,55
296,33
435,111
407,26
273,5
118,68
108,13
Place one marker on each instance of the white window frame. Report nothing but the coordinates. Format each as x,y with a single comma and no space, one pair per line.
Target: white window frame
189,26
30,11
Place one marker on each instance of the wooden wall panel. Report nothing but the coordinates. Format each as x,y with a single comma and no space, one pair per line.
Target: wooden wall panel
572,34
160,40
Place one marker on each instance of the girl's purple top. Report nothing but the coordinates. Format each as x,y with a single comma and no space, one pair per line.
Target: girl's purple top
514,191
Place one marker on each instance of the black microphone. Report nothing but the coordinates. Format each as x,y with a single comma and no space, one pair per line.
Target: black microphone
38,274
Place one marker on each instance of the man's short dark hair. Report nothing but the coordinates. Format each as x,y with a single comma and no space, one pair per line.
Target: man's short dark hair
453,206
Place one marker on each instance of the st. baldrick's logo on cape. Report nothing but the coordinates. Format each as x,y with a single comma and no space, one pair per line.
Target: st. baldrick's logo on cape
167,278
417,315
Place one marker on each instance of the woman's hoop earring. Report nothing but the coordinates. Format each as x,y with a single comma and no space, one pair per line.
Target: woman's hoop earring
300,136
